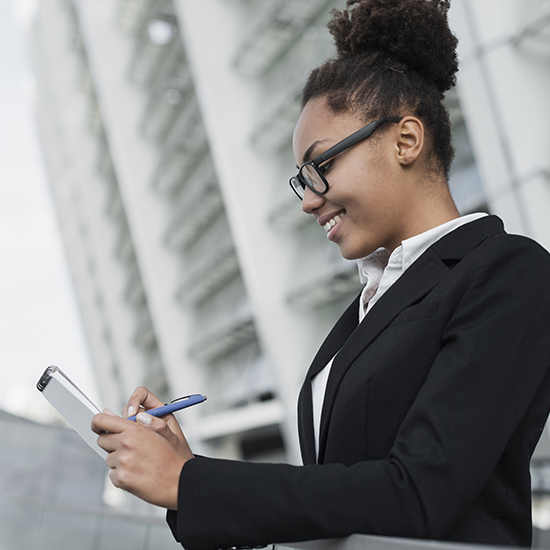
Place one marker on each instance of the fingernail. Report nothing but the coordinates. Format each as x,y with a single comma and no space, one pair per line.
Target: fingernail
108,411
131,410
144,418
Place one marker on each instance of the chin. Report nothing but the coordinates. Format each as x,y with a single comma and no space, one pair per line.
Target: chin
355,253
350,254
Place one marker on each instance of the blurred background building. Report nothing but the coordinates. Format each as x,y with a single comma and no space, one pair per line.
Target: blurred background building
166,127
54,496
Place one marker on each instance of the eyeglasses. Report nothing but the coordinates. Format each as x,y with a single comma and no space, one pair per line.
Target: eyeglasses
310,174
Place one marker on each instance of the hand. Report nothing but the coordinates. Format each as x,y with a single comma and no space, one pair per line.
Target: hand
167,426
142,461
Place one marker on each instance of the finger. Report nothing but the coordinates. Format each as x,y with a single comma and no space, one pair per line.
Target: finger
163,428
141,397
128,410
109,411
114,478
158,425
173,424
166,426
107,443
108,423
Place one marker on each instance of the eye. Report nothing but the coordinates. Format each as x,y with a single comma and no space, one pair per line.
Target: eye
324,168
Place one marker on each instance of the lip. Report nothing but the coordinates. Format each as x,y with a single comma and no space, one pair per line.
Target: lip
331,235
327,217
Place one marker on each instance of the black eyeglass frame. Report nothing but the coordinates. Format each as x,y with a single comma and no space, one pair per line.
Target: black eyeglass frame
298,182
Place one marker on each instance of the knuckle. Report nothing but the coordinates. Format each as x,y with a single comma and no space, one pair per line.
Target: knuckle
123,461
122,479
113,476
126,443
159,425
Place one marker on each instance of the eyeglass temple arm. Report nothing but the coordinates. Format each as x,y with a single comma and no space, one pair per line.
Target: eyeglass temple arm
356,137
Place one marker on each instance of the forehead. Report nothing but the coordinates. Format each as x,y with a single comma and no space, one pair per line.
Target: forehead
318,124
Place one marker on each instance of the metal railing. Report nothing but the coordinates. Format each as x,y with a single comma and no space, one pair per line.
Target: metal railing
368,542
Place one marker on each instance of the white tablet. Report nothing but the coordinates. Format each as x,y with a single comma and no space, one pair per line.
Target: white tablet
71,404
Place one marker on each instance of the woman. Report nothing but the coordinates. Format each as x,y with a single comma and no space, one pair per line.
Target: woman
421,410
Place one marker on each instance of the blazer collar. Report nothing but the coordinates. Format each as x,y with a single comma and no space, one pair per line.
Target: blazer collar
453,246
459,243
350,339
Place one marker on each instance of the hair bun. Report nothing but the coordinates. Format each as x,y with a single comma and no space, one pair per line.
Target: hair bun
414,33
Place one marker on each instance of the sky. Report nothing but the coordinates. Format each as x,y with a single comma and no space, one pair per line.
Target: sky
39,318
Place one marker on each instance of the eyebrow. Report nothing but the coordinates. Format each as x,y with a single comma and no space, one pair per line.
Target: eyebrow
308,154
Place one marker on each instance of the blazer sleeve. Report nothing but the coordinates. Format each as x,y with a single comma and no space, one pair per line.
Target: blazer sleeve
492,366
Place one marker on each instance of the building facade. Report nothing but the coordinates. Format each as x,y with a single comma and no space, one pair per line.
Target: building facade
54,495
166,127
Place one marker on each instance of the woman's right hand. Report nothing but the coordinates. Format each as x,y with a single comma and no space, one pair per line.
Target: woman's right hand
143,400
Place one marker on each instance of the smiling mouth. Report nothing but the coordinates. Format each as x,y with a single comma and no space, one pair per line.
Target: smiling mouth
332,222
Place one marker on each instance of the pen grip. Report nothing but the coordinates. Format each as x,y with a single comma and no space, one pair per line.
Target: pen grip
173,407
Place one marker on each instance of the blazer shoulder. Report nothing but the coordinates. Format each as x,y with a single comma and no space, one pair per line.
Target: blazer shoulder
521,246
485,239
516,261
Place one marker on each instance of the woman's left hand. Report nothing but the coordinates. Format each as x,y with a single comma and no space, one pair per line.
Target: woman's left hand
142,461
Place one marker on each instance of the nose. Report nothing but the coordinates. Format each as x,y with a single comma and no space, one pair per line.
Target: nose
311,201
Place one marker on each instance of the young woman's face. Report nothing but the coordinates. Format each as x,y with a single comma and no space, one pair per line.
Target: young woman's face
365,207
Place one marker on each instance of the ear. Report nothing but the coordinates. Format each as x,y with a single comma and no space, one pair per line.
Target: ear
410,140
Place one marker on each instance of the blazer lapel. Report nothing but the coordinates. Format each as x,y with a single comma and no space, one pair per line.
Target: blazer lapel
333,342
415,283
412,286
336,339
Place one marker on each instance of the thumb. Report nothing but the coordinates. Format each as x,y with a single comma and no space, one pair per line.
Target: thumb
158,425
154,423
145,419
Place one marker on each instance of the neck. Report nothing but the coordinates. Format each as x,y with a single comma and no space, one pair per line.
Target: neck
426,211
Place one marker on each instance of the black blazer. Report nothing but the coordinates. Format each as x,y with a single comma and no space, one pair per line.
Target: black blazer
433,407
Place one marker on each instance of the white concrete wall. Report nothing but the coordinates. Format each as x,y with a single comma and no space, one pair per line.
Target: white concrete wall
248,108
134,159
504,85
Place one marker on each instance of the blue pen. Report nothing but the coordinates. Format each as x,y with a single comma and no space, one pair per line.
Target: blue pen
176,405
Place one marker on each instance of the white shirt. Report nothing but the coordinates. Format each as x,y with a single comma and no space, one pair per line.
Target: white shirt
379,271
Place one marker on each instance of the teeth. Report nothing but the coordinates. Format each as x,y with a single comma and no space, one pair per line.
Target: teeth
331,223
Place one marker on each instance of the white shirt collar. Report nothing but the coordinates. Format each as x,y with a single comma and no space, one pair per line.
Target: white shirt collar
379,270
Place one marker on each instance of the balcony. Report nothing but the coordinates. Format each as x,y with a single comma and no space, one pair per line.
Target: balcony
240,420
538,28
154,377
105,166
134,293
464,180
342,282
153,43
131,15
224,324
280,23
183,155
124,249
198,208
240,379
288,214
274,133
237,333
211,275
144,335
168,97
114,207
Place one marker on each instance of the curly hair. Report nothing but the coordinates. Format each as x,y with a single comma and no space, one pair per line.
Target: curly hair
394,57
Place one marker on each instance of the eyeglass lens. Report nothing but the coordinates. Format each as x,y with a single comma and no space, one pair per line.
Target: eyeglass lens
297,186
313,179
